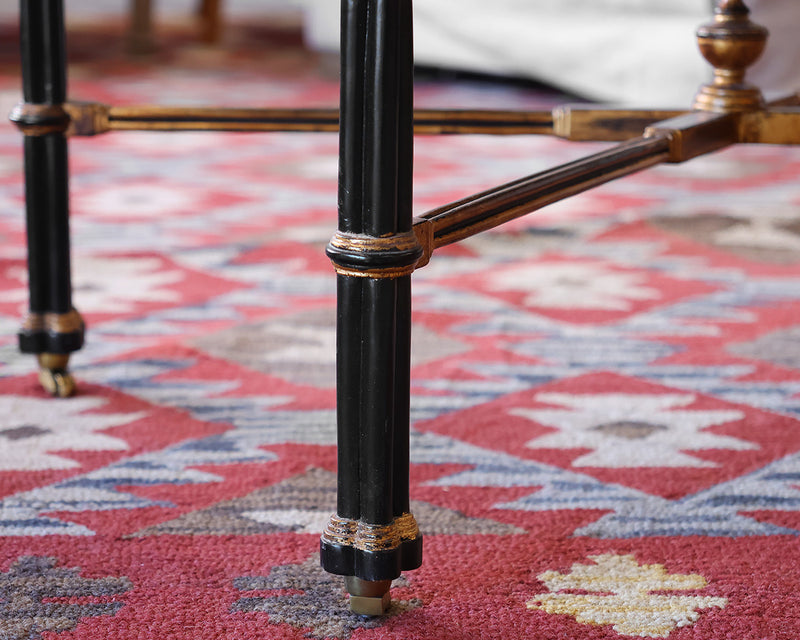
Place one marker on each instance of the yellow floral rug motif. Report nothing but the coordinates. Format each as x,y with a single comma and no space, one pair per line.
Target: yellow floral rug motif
618,591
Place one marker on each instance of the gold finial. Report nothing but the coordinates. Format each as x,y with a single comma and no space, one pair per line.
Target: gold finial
730,44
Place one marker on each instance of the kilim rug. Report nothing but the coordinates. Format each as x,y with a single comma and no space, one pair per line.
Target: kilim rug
606,408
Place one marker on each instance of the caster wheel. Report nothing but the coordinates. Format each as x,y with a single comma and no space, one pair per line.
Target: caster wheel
53,375
368,598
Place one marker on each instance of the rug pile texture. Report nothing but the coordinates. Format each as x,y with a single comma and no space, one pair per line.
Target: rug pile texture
605,401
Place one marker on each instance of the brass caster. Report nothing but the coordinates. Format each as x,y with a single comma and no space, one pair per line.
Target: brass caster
367,597
53,374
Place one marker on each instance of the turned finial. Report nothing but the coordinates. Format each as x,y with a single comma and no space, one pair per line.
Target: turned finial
730,44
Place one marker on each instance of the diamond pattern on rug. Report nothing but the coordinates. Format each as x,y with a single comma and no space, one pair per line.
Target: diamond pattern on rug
304,504
306,597
635,430
302,347
580,289
780,347
33,431
726,509
722,510
761,238
571,285
613,378
153,282
37,597
584,424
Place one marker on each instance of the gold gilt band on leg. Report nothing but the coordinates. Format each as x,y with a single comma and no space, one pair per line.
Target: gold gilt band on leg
69,322
371,537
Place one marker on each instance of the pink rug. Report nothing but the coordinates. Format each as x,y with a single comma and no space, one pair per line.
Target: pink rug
606,420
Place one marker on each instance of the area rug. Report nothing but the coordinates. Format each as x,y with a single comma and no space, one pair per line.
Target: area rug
606,420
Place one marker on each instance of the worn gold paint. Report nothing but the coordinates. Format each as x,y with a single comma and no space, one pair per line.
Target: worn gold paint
54,112
423,230
371,537
360,243
375,274
69,322
88,118
363,243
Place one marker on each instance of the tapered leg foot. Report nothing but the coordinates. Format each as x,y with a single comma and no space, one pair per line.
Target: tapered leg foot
53,374
368,597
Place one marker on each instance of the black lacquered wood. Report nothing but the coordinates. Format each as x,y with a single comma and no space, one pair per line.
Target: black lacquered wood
42,45
55,174
374,316
348,385
43,59
402,396
377,400
36,201
381,135
351,114
405,117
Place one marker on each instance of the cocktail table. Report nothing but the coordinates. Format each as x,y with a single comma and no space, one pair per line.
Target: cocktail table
373,537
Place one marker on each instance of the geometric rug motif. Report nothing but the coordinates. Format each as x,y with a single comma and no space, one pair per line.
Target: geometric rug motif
735,508
605,400
303,505
307,598
37,597
762,237
302,347
625,600
651,438
780,347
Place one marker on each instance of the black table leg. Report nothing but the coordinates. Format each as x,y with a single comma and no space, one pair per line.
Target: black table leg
53,328
374,537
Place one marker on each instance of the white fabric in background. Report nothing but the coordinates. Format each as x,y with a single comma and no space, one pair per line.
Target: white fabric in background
636,52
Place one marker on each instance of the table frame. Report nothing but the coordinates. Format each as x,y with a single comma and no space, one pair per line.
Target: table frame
373,537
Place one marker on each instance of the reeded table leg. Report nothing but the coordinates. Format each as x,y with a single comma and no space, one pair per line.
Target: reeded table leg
374,537
52,329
